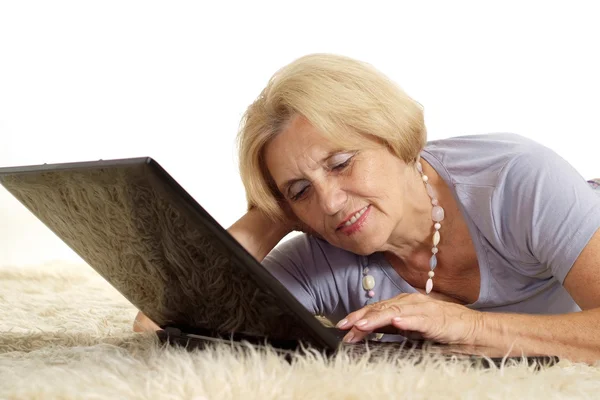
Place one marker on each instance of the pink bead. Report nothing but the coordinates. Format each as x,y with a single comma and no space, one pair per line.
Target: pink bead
434,202
371,293
429,286
430,191
419,167
437,214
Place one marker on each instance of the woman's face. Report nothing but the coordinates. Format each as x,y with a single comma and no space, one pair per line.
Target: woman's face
355,199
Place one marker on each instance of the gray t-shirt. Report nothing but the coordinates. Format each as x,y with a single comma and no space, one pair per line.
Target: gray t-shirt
530,214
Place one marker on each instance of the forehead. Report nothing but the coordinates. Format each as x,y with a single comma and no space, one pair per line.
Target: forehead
298,147
300,137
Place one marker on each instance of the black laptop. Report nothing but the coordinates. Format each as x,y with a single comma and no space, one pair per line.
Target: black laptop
140,230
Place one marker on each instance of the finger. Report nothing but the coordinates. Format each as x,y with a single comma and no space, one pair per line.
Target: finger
379,316
355,316
351,318
414,323
357,335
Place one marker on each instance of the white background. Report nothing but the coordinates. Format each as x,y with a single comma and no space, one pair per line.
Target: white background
85,80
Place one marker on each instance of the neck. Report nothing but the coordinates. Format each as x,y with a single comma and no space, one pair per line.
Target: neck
412,240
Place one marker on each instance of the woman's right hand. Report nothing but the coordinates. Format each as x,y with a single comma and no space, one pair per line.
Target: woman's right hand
144,324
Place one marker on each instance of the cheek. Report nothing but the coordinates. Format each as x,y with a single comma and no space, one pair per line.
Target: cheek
374,182
308,212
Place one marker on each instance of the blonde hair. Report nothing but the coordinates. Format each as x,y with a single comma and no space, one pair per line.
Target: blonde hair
342,98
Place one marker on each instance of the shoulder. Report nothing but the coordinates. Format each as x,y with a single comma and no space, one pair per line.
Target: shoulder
529,203
316,272
503,182
310,253
506,141
478,160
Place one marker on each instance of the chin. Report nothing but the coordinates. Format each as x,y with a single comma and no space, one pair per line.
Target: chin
365,250
364,242
362,249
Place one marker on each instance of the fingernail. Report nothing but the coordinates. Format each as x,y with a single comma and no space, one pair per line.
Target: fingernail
396,319
342,323
348,338
362,322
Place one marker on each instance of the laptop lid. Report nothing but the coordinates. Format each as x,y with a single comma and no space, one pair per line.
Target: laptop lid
141,231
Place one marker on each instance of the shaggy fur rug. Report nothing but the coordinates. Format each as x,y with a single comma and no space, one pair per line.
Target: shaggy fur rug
66,333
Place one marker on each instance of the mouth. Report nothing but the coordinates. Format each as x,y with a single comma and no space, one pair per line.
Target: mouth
353,219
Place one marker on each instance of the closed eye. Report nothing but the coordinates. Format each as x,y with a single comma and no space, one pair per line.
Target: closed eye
342,165
341,161
301,193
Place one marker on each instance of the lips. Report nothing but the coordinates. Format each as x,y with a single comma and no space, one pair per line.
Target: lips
352,218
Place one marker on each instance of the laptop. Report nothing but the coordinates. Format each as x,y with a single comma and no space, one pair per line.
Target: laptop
143,233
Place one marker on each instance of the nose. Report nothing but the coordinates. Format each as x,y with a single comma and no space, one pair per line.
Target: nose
331,197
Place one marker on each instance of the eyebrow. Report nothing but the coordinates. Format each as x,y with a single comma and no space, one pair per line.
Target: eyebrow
286,185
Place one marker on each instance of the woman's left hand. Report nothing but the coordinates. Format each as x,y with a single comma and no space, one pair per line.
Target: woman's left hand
435,320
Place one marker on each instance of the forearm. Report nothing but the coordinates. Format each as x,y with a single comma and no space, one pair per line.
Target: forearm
258,234
574,336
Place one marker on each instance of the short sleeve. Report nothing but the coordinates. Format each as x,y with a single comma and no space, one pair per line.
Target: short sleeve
292,262
544,211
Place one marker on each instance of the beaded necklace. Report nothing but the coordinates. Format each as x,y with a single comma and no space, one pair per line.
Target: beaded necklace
437,215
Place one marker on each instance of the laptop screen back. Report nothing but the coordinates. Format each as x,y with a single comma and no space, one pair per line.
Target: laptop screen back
132,223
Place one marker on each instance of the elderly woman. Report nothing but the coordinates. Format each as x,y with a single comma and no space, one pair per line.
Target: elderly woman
490,241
